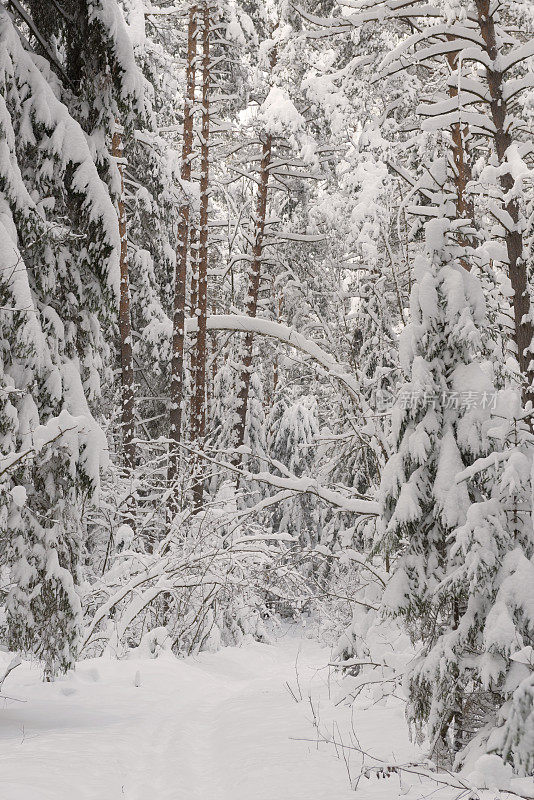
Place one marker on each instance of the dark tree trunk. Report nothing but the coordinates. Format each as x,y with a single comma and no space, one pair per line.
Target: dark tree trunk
278,310
193,303
214,359
180,279
462,165
253,291
517,269
199,400
125,324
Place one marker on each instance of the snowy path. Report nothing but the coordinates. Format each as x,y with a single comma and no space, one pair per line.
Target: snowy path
218,727
221,726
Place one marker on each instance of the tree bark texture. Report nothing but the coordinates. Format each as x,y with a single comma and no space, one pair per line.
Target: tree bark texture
180,278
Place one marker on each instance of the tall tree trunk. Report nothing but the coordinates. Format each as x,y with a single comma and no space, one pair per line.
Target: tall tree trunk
254,279
517,271
278,302
180,278
193,307
125,324
462,164
214,359
199,404
253,290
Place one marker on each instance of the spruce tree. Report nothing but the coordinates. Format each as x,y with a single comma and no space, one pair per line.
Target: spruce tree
62,237
435,436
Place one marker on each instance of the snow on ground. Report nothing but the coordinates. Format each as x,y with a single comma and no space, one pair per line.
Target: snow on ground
215,726
220,726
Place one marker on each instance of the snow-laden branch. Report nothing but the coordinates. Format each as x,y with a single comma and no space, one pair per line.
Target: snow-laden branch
289,336
349,554
275,330
28,20
308,485
303,485
44,435
172,572
482,464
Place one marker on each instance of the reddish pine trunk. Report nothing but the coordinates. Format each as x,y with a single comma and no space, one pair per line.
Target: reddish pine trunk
125,325
523,328
199,402
177,364
253,290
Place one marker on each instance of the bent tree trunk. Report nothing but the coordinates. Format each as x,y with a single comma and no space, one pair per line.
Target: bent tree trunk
180,278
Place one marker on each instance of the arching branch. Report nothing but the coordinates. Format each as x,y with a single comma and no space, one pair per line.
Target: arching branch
275,330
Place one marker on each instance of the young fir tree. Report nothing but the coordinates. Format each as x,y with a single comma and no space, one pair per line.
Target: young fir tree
292,439
488,586
223,405
435,436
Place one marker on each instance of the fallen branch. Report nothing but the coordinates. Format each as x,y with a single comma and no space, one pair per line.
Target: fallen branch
387,768
15,662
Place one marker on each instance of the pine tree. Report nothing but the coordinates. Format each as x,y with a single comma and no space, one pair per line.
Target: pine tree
276,150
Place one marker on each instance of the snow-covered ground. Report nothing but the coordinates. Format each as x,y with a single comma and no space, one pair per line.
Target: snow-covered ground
215,726
221,726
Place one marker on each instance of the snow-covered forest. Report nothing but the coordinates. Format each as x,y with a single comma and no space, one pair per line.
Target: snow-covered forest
266,399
